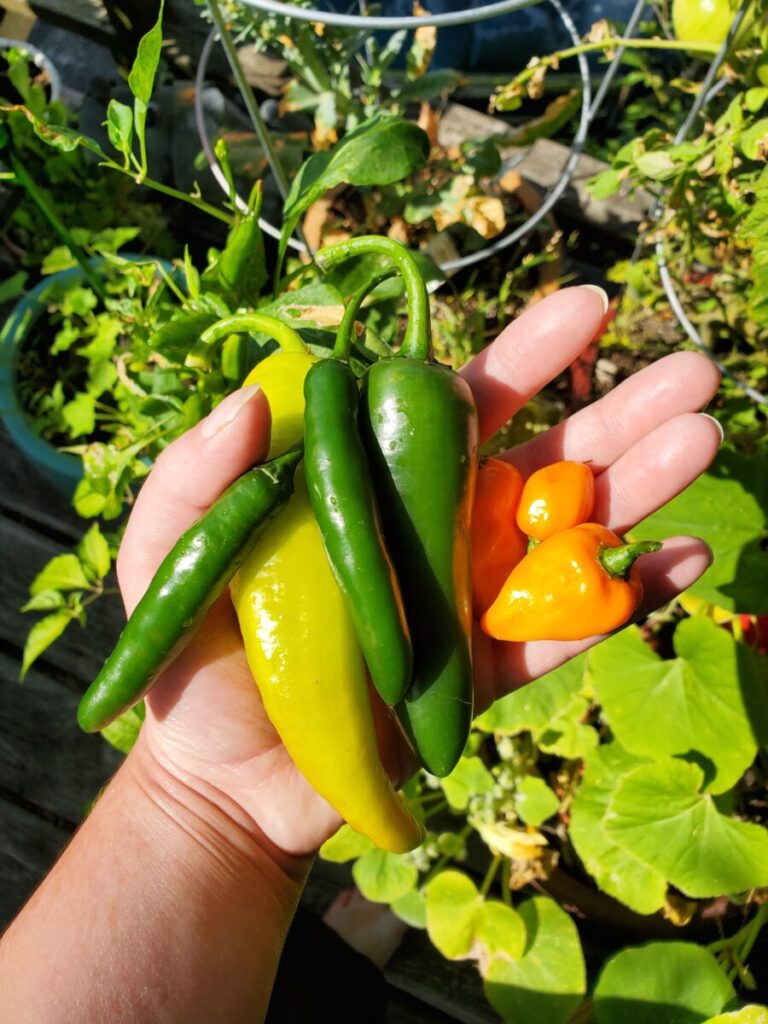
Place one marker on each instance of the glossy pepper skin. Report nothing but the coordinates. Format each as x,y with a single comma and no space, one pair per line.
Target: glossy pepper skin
341,491
419,425
576,584
498,543
190,579
302,648
556,497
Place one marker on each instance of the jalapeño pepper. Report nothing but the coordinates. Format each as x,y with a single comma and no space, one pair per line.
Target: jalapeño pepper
419,424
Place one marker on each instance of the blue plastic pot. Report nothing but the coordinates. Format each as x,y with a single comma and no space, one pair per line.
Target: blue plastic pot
61,469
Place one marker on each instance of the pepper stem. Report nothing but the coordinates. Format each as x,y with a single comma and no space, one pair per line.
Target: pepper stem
618,561
346,327
241,323
417,340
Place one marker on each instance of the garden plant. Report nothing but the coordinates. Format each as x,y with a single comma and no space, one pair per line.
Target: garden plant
626,790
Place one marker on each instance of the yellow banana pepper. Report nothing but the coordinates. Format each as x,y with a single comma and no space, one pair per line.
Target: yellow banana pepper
301,643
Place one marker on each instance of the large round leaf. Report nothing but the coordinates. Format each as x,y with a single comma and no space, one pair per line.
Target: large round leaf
661,983
383,877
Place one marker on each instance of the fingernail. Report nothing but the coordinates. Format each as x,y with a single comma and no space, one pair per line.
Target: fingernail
227,411
717,423
601,292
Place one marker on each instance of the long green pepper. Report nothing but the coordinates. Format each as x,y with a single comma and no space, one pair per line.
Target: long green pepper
342,495
419,424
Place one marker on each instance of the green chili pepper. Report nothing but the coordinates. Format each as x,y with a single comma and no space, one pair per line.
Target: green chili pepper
342,495
242,268
419,424
190,579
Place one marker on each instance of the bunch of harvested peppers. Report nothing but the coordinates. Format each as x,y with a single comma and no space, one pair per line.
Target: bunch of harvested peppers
377,558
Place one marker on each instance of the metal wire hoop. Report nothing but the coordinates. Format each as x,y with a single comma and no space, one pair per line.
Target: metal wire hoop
588,111
376,21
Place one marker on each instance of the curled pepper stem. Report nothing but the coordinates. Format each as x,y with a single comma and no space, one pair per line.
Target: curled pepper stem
345,332
618,561
417,340
241,323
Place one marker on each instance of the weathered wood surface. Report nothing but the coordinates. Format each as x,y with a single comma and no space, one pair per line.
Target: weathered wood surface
50,771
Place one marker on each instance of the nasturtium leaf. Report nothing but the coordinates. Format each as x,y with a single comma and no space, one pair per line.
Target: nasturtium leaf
468,778
728,507
94,552
381,150
345,845
547,983
673,982
411,907
124,731
751,1014
615,870
64,572
534,800
659,814
383,877
704,702
534,706
42,635
499,932
453,904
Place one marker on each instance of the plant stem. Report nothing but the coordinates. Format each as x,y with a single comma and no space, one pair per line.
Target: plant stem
347,326
490,874
158,186
38,198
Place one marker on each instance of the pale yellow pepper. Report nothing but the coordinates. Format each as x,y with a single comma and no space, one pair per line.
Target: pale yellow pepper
301,643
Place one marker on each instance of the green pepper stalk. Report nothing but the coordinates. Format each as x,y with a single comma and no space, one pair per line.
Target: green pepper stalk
419,425
190,580
342,494
201,355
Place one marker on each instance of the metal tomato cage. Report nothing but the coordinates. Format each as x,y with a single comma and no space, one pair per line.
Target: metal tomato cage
589,108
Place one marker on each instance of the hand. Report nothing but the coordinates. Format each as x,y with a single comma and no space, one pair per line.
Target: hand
206,728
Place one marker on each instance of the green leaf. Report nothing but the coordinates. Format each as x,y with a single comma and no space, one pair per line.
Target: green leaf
80,415
411,907
751,1014
124,731
45,601
728,508
659,814
453,905
93,550
685,705
534,800
551,708
469,777
303,304
499,932
120,127
673,982
42,635
753,141
615,870
383,877
142,76
345,845
64,572
13,286
61,138
547,984
755,98
381,150
658,166
605,184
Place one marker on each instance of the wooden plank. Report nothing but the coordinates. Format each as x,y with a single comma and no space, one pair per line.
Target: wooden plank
542,164
45,758
28,847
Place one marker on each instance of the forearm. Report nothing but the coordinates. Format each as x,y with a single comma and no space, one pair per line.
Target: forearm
166,906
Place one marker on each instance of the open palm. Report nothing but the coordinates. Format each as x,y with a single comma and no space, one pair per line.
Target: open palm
645,441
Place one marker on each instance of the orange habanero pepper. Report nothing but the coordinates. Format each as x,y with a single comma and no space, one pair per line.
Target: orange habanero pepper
555,498
576,584
497,542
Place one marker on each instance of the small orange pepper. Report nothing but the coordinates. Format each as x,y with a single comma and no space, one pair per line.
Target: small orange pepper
497,542
555,498
576,584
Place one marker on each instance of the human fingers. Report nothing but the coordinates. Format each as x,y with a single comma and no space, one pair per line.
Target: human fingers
532,350
503,667
655,469
186,479
604,431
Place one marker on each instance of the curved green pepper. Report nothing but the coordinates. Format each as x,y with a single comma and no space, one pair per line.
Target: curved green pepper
342,495
419,424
